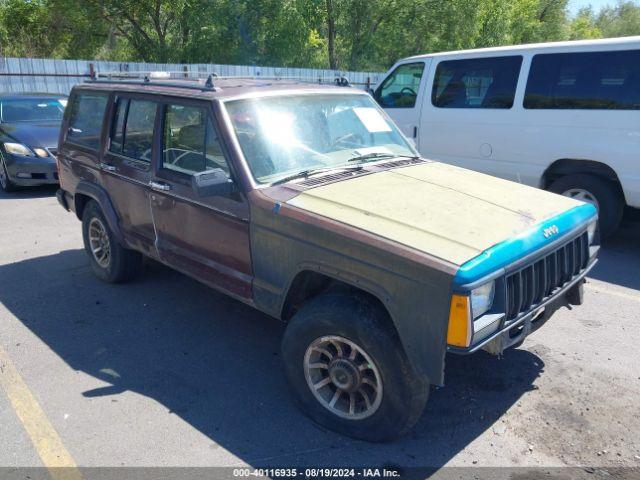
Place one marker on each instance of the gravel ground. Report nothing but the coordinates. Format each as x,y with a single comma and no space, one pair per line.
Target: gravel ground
165,372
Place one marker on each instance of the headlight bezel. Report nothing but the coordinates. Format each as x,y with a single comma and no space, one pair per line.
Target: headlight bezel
13,148
592,230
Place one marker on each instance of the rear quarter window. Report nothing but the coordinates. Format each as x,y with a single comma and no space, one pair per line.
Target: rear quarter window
584,80
85,118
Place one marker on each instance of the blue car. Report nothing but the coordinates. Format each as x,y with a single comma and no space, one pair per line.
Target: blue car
29,129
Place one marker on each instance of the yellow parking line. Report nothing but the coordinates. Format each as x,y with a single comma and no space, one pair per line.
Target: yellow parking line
44,437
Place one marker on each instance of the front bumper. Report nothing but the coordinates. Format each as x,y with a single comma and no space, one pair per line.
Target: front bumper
31,171
514,332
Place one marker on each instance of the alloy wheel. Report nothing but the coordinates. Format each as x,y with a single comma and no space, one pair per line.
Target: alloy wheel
99,242
4,178
343,378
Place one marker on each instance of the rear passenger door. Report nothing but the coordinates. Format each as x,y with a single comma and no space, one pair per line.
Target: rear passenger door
127,166
204,236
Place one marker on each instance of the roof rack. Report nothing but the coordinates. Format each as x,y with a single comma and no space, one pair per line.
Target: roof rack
163,78
155,78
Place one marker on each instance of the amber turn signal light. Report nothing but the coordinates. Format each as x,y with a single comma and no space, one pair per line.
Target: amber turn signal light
459,332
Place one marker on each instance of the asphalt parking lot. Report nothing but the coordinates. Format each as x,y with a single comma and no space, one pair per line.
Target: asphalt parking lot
166,372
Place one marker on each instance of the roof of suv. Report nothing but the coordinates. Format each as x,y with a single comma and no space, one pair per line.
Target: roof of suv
14,95
223,87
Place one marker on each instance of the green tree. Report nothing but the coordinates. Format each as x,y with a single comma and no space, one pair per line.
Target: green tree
583,26
619,21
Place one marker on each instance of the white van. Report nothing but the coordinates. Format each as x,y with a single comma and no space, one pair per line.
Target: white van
560,116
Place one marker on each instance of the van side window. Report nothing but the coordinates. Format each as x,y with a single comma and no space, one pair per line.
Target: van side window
400,89
476,83
190,143
132,134
85,118
585,80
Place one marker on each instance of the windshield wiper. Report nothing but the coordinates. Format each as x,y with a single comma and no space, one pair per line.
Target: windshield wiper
314,171
379,155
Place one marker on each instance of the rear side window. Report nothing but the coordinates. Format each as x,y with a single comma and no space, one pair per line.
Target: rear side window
190,143
400,89
476,83
586,80
132,134
85,118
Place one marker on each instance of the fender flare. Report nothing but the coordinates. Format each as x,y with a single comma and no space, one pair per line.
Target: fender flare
101,196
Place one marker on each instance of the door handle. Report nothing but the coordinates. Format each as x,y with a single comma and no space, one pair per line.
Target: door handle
108,168
160,186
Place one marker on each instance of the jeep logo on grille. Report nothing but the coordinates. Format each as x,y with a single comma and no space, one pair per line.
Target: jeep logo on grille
551,231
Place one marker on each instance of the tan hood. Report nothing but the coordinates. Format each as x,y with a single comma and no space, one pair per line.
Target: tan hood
446,211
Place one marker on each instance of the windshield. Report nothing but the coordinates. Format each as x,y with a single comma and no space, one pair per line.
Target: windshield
281,136
32,109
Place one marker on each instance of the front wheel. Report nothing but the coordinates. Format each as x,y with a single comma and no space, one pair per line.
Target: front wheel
598,191
348,371
5,181
109,260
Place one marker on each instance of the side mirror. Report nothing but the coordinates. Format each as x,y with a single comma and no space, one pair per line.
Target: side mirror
371,92
211,183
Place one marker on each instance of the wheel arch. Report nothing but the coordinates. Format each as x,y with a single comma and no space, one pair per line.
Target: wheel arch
567,166
86,191
310,282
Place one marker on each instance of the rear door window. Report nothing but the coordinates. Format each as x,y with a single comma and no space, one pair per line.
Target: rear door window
584,80
400,89
476,83
86,117
132,134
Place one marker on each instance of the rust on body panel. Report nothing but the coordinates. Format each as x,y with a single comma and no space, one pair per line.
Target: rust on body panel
286,241
204,238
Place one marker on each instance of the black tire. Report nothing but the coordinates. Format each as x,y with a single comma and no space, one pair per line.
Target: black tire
123,264
356,318
606,193
5,182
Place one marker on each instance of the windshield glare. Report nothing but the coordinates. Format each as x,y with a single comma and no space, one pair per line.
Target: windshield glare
32,109
281,136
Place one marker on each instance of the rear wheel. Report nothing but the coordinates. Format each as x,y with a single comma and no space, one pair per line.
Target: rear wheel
109,260
348,370
5,182
601,193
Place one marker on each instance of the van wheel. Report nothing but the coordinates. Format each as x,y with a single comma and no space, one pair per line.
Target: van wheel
5,181
110,261
348,370
597,191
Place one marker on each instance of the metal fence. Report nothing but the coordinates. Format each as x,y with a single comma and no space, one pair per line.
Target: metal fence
58,76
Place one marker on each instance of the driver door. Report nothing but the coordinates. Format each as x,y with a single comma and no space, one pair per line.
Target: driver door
401,93
206,237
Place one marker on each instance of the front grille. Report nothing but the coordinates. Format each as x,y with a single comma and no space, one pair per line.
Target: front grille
531,285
